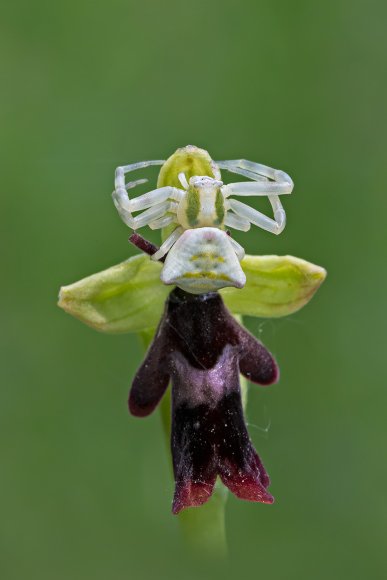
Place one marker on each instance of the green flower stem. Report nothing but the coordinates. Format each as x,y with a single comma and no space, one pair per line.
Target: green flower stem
204,528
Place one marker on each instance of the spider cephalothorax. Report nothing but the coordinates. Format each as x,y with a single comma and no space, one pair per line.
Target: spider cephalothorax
202,204
201,256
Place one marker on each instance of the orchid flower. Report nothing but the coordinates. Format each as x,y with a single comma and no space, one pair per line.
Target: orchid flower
199,344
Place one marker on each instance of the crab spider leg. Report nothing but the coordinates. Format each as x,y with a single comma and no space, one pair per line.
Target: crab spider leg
258,169
237,249
257,218
281,182
162,222
167,245
119,182
121,199
276,174
123,169
156,196
236,222
133,184
233,167
146,217
269,188
279,212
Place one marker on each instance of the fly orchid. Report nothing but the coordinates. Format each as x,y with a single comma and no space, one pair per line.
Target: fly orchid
198,345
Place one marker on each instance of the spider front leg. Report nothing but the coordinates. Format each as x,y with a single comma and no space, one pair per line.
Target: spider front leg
159,201
119,182
271,181
233,166
125,206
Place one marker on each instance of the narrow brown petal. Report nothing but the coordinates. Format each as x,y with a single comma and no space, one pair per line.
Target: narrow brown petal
151,379
256,363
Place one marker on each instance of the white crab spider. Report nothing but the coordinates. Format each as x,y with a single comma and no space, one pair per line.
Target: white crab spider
201,256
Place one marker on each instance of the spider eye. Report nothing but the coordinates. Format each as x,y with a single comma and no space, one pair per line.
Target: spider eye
204,181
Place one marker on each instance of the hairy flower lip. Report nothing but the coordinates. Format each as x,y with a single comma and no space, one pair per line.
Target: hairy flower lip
201,349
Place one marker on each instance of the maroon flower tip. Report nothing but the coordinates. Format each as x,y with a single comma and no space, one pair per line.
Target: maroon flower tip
210,439
248,486
191,494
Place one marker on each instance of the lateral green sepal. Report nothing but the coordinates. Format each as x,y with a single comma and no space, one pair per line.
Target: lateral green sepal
128,297
275,286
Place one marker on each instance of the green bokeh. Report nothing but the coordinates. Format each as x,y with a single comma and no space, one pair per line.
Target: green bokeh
85,86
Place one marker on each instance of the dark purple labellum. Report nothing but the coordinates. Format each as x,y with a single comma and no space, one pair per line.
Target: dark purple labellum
202,349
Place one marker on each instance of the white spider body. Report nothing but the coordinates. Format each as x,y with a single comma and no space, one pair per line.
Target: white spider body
201,256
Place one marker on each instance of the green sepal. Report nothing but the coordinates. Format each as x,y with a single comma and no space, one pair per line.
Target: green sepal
189,160
275,286
128,297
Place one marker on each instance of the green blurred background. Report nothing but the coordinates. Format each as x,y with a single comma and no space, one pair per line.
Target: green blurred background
86,86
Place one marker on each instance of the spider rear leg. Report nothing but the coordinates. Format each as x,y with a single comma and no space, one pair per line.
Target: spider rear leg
259,219
232,220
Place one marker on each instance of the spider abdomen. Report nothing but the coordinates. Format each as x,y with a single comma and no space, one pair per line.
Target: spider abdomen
203,260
